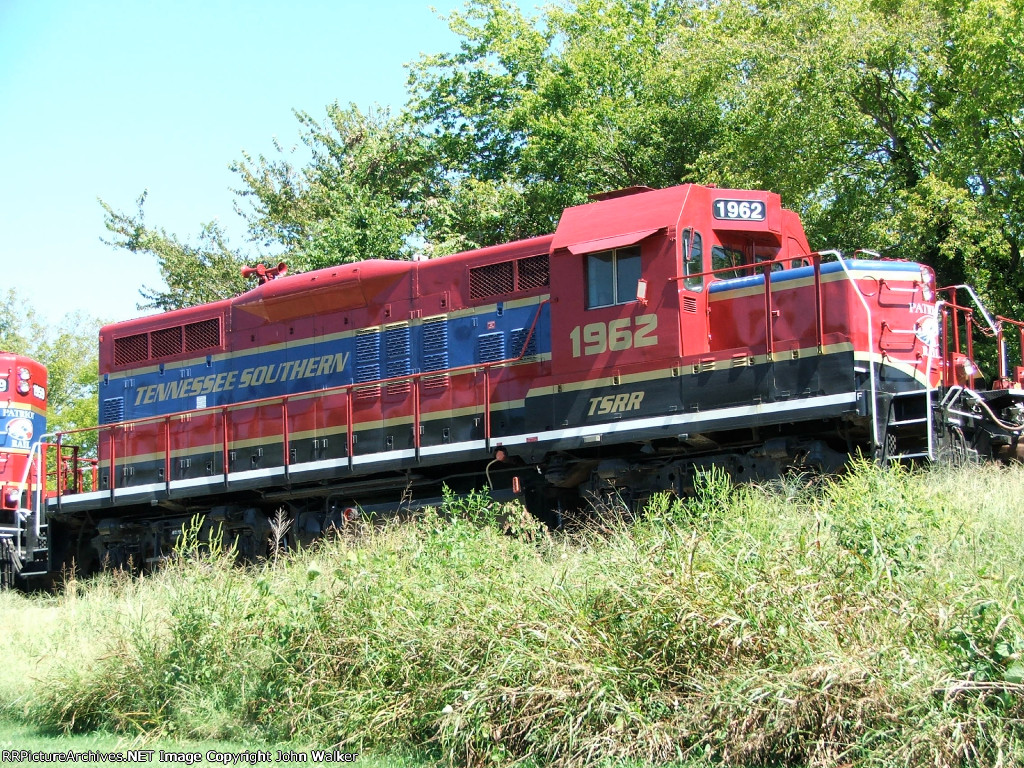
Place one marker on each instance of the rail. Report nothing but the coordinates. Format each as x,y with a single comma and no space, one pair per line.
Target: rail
109,432
871,344
764,270
1004,373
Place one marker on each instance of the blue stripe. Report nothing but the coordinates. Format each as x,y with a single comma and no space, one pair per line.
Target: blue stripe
303,367
826,269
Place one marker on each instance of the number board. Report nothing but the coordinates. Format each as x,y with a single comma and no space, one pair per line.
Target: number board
739,210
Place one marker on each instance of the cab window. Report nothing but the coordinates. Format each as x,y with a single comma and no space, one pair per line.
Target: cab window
728,259
693,260
612,277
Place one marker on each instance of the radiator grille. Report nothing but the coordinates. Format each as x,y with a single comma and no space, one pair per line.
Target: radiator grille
202,335
131,349
506,277
165,342
533,272
491,280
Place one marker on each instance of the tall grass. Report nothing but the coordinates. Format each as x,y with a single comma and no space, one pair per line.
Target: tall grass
871,619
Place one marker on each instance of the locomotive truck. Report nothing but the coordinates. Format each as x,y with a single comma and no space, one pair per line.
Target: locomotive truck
652,335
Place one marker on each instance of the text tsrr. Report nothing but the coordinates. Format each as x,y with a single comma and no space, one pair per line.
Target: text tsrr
624,401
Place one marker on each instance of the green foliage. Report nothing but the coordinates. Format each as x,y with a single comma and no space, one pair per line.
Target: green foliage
360,196
880,515
192,274
68,350
893,126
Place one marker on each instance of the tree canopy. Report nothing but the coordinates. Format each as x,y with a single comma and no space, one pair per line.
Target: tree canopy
69,352
894,125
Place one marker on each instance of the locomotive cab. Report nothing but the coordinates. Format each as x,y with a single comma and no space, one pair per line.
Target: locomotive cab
633,270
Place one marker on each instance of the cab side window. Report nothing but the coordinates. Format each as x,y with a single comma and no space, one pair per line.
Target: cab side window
693,260
730,260
612,277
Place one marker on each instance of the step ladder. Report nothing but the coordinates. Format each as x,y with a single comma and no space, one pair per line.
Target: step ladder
909,431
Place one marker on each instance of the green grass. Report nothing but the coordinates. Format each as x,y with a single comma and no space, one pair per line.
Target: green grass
873,619
25,738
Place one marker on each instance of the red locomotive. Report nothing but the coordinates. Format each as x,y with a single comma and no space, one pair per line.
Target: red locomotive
653,334
23,391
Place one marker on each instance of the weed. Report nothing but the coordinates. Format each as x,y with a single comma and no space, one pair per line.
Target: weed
873,619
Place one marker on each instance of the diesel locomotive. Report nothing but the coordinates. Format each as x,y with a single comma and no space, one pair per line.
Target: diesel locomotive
23,394
653,334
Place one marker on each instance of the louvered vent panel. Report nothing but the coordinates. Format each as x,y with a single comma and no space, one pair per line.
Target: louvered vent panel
112,411
397,341
435,382
131,349
368,361
533,272
519,338
399,368
491,347
689,304
491,280
437,362
435,345
367,373
435,337
165,342
202,335
396,347
435,352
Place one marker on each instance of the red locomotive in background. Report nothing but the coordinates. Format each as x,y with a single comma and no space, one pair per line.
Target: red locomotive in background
23,391
654,334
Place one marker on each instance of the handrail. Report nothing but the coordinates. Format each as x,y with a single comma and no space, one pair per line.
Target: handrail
347,389
1001,343
871,345
766,272
977,303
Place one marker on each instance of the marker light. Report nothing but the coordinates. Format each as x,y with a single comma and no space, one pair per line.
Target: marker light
23,381
927,284
11,497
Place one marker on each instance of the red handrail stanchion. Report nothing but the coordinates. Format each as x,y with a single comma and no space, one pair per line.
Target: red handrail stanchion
819,311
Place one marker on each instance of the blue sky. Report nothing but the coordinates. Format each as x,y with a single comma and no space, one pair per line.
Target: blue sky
107,98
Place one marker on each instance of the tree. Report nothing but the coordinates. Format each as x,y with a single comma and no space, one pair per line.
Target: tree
70,353
894,125
361,195
548,110
192,274
890,125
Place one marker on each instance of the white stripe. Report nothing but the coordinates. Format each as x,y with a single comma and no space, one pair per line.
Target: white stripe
686,419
